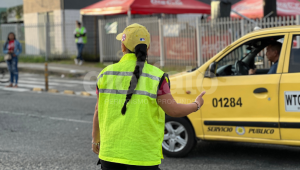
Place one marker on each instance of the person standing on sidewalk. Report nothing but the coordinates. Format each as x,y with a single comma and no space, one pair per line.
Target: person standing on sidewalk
133,97
12,47
80,39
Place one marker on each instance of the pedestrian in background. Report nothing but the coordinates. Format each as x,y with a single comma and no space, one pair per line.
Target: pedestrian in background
133,97
13,48
80,39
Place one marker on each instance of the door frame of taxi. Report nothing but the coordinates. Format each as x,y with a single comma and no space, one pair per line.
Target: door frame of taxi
238,127
289,84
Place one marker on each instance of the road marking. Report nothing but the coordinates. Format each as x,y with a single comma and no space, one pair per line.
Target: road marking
42,82
29,86
77,82
14,89
45,117
66,81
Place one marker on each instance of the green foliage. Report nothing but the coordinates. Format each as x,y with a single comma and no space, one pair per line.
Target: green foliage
17,11
100,65
69,61
29,59
3,17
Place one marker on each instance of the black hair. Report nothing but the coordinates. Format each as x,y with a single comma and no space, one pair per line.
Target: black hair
8,38
78,23
9,34
141,55
276,46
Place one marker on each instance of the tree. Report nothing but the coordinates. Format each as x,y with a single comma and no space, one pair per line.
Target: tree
3,17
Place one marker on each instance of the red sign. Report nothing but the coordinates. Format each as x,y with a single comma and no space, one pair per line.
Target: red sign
288,7
180,48
254,8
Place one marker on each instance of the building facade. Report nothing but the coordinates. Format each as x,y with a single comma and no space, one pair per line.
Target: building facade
49,25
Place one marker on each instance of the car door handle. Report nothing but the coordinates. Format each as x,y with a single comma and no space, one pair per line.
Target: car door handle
260,90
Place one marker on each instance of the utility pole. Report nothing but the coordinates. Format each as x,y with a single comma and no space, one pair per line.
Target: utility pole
47,51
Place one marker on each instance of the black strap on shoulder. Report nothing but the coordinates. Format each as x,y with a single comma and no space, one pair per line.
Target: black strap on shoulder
161,81
163,77
169,82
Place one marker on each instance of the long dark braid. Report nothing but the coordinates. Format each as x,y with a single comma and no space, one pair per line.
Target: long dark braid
141,55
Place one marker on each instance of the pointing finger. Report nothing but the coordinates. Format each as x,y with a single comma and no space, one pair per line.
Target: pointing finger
202,93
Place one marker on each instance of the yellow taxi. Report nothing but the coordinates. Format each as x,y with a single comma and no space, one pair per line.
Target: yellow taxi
245,100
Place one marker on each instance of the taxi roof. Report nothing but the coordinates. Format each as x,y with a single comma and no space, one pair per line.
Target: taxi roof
290,28
272,30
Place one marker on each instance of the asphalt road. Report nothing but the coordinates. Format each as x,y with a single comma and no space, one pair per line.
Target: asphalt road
53,131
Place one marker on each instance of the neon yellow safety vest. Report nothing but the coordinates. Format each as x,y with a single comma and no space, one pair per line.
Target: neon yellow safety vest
84,38
136,137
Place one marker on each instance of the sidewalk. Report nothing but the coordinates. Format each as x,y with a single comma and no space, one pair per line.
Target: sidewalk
57,69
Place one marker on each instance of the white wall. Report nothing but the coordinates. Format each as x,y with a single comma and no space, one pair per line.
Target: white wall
58,46
65,44
59,43
31,34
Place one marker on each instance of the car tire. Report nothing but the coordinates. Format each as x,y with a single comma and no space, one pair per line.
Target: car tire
179,138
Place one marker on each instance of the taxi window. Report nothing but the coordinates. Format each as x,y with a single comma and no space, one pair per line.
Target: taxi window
294,66
249,56
233,56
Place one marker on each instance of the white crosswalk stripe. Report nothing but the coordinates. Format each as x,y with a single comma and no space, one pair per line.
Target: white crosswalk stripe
27,82
13,89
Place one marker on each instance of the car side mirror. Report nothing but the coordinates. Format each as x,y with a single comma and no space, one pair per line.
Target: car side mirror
211,72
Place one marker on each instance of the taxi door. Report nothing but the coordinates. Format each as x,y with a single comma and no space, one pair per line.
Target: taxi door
242,107
289,94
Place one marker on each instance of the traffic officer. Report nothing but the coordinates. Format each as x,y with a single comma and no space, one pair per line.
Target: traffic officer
133,97
81,40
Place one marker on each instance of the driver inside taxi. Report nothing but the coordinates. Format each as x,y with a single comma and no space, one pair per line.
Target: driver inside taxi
273,53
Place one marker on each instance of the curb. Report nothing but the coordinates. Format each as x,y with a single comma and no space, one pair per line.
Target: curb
52,91
83,93
50,72
37,89
69,92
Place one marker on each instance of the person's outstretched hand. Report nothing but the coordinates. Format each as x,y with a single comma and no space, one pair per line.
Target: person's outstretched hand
199,99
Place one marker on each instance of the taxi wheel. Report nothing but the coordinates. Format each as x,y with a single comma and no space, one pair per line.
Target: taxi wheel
179,138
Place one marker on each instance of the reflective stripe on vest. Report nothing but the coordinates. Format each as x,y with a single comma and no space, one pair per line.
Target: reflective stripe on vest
120,135
117,73
125,92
